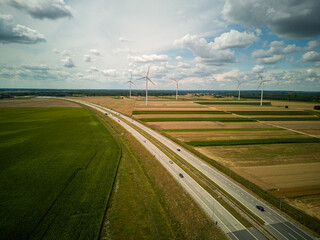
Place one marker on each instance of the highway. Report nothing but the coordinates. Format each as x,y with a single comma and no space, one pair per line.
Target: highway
278,225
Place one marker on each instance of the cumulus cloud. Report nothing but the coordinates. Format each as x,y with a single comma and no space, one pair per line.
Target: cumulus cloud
204,51
95,52
179,58
280,16
41,9
149,58
15,33
258,69
92,70
125,40
234,39
87,58
270,60
311,45
109,72
37,67
67,62
311,56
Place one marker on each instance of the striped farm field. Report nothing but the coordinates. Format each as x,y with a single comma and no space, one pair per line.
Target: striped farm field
234,103
231,119
223,129
253,141
178,112
271,113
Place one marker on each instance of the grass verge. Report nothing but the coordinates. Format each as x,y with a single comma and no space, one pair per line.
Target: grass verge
176,214
253,141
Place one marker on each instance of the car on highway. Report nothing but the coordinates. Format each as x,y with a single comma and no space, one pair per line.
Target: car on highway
260,208
181,175
106,114
179,149
170,162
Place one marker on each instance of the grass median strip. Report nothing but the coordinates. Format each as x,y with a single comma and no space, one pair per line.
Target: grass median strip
223,130
233,119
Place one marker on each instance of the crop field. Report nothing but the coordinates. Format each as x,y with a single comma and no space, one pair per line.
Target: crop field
123,105
271,146
57,170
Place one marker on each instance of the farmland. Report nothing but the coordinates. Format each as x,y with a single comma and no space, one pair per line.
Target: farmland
57,170
259,136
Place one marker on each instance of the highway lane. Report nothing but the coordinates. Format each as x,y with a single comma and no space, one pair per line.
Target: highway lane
276,223
227,222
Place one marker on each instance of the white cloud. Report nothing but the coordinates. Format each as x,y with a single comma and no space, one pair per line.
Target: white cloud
270,60
41,9
15,33
125,40
87,58
66,53
311,56
149,58
95,52
67,62
226,76
311,45
92,70
258,69
109,72
234,39
179,58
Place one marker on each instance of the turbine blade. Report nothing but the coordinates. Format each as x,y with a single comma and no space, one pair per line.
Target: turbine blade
260,76
150,80
132,83
140,78
131,77
259,85
148,71
126,82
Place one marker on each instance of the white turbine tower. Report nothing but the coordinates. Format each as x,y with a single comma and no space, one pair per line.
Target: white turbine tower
238,87
177,86
130,83
262,84
147,80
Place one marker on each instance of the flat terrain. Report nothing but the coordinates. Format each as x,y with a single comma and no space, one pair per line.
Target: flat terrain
36,102
57,169
258,163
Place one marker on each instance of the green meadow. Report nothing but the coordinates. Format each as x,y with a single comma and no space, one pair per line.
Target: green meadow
234,119
57,171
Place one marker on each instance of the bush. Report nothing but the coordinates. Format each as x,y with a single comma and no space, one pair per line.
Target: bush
317,107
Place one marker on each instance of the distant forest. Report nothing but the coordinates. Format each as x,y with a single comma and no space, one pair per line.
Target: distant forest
271,95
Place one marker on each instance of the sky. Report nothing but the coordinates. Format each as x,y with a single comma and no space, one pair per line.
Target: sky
207,44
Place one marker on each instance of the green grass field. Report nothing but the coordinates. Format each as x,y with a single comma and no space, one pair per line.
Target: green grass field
178,112
57,170
253,141
223,130
234,103
234,119
287,118
272,113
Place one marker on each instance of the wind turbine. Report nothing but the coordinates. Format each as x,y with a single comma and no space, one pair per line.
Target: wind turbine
239,83
147,80
262,84
130,83
177,82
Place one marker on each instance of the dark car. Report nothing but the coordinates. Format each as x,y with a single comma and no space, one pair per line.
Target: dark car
260,208
181,175
170,162
179,149
106,114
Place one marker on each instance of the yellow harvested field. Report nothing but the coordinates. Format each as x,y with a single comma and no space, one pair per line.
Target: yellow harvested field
263,154
308,203
206,125
207,136
165,104
37,102
282,176
172,109
124,105
247,108
298,125
184,116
